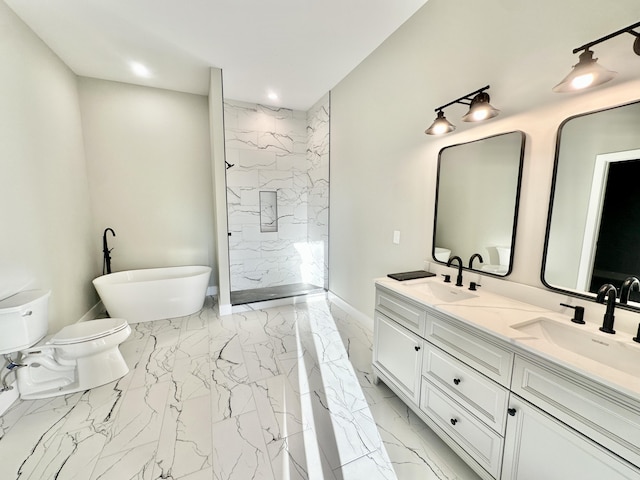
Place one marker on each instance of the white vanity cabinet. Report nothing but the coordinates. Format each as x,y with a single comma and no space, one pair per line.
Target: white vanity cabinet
509,412
460,399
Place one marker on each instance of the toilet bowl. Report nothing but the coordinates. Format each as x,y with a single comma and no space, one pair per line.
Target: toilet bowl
77,358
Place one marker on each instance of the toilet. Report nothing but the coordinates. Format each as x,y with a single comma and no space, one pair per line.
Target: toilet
442,254
77,358
504,259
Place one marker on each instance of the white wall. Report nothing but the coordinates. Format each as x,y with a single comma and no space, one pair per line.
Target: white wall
383,166
47,238
149,163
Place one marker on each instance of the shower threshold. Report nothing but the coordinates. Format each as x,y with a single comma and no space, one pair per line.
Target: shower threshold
241,297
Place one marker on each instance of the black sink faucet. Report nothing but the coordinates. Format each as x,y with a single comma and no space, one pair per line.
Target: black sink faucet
459,277
474,256
629,284
106,264
609,291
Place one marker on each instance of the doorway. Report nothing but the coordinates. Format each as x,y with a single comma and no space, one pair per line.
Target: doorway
616,256
608,253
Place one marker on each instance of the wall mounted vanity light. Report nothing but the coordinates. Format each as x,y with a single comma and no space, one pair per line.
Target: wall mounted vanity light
440,125
587,72
479,109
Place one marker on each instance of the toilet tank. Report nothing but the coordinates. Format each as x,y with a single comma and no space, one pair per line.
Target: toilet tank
23,320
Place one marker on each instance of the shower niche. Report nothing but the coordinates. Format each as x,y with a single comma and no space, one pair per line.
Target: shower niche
268,212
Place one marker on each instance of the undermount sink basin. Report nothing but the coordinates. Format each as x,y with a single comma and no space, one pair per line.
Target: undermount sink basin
601,347
443,292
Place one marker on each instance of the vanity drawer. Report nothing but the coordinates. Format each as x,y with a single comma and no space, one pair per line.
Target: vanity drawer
407,314
609,419
479,441
472,348
483,397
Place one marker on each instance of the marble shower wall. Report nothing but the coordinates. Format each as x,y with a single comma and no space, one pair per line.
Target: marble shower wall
277,150
318,183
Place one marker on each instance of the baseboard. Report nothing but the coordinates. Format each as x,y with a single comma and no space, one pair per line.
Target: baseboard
94,312
365,320
224,310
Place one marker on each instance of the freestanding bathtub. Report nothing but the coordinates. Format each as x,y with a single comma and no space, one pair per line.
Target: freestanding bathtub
153,293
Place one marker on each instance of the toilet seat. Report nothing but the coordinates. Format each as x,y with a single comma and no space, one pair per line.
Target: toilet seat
86,331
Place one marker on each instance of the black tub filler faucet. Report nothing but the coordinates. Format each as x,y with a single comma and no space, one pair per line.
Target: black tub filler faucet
106,263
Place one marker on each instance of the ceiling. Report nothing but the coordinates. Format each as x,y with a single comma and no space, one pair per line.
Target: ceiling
297,49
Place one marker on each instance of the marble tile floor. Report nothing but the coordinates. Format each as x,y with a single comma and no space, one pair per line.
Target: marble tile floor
276,394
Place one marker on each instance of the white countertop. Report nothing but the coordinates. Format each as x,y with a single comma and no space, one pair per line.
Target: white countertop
497,315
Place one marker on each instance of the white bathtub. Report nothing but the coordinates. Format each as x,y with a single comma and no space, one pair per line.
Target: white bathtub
153,293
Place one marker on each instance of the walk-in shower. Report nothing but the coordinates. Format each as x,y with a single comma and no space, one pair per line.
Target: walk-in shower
277,200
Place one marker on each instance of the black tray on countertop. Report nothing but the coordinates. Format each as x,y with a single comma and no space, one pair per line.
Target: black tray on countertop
402,276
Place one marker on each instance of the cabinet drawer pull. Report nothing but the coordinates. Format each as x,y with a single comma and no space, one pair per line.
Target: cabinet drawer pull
417,348
511,411
454,421
456,381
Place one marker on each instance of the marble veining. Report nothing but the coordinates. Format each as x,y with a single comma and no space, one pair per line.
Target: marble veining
277,394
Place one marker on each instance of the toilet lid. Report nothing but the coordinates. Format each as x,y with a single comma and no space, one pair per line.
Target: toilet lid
89,330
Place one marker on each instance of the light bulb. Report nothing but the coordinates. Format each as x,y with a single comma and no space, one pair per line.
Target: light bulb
439,129
582,81
480,114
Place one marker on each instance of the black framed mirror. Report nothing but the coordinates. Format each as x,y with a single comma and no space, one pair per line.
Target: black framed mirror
477,197
593,223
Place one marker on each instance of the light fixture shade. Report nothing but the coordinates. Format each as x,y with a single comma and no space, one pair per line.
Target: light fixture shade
440,125
480,109
586,73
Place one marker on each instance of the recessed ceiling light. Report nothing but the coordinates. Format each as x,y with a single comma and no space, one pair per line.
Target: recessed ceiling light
273,96
140,70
